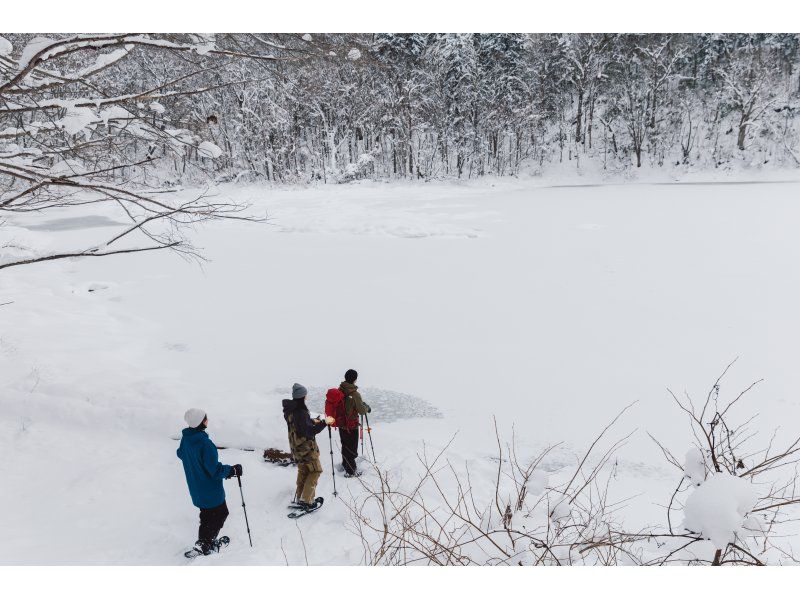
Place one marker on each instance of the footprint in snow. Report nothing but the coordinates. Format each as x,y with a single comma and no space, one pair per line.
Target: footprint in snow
179,347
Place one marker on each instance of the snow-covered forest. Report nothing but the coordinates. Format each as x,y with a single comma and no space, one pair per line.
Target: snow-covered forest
291,107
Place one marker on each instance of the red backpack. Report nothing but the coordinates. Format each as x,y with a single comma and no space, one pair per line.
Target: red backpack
334,406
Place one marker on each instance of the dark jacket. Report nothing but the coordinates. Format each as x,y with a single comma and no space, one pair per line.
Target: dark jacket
204,472
302,430
354,405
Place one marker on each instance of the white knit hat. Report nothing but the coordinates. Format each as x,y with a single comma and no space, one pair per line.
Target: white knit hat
194,417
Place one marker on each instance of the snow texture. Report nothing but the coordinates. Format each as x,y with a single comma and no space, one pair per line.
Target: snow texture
115,113
756,525
562,510
694,468
387,405
32,48
208,149
206,43
203,49
77,120
5,47
717,509
455,302
67,167
537,483
103,61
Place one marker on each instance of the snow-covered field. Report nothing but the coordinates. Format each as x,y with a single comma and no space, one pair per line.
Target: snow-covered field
548,308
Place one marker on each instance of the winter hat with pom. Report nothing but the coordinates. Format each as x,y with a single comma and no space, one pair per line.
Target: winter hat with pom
194,417
298,391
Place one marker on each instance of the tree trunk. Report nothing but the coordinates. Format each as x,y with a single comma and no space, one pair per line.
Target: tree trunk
742,132
717,562
332,149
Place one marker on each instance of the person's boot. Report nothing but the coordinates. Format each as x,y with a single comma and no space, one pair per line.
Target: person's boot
355,474
311,506
204,547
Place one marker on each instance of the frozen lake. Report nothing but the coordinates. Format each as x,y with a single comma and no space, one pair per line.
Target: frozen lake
548,308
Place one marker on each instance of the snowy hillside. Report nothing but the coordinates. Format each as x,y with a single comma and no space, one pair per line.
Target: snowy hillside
550,309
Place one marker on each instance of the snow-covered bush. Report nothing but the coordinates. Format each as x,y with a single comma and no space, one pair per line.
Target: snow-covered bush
718,508
516,513
740,484
511,513
358,169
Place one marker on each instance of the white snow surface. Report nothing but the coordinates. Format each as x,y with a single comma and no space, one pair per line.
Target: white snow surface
103,60
115,113
6,47
560,511
77,119
32,48
550,308
718,508
67,168
538,483
206,148
694,468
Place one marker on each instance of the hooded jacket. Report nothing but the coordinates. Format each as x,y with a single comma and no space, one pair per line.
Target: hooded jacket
354,405
204,472
302,430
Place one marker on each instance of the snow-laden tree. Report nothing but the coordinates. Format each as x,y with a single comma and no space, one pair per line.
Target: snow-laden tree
334,107
80,126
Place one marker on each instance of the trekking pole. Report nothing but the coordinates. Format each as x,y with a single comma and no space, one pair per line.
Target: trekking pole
361,432
369,431
333,472
247,524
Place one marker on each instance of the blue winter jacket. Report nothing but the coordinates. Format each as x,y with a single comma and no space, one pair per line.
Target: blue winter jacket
204,472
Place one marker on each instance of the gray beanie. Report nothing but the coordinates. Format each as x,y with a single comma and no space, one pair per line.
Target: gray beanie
298,391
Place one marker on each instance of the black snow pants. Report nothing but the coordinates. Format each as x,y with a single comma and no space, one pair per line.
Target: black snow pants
211,521
349,440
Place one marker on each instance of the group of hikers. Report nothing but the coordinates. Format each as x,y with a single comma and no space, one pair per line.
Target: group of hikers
204,472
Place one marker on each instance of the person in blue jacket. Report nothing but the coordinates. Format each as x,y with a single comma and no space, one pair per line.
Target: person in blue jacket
204,475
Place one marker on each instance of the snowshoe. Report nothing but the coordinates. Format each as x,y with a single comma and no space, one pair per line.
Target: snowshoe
221,542
304,508
299,504
200,549
355,474
205,548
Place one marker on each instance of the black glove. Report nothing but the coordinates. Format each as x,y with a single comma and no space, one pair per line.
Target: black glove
236,470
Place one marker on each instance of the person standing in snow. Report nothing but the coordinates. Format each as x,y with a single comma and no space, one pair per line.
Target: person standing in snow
302,432
204,475
354,406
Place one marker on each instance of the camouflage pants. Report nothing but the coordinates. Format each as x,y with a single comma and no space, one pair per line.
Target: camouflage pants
307,477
